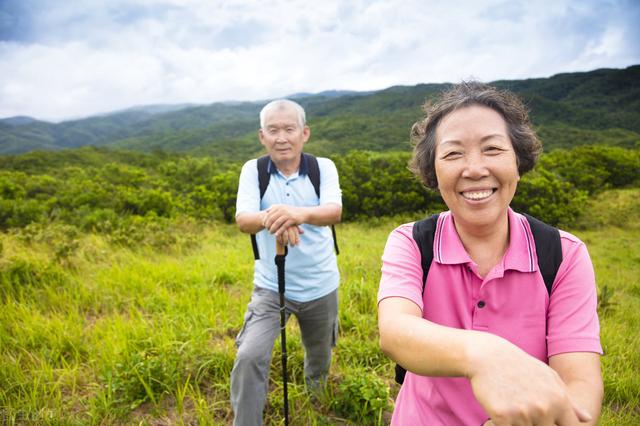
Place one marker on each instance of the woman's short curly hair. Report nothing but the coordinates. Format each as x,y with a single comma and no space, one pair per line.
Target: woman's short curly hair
525,143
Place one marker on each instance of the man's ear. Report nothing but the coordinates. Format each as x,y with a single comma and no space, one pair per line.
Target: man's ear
306,134
261,137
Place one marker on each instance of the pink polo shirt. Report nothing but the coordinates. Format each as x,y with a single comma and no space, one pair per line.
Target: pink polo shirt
511,302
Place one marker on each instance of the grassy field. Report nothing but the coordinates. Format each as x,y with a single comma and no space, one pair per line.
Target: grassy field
95,333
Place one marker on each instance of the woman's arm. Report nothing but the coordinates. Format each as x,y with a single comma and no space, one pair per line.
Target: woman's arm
580,371
512,386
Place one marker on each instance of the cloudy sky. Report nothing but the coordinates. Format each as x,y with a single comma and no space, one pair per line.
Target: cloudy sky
62,59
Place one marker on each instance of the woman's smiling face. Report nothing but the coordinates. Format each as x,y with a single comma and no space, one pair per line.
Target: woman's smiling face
475,165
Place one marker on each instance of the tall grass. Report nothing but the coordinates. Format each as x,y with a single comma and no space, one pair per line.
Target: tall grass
96,333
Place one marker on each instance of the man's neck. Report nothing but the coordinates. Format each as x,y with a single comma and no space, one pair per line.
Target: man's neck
287,168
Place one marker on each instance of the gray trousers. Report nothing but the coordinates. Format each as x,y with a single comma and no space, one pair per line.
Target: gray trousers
318,320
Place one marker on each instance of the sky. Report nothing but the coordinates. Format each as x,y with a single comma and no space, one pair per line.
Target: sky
62,59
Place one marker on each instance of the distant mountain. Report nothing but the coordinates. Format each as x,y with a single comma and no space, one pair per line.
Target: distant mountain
327,94
601,106
153,109
18,120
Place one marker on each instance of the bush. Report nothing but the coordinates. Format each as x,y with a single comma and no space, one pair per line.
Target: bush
596,167
375,185
361,396
545,196
105,197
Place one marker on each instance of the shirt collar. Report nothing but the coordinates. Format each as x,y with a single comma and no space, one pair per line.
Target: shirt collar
520,254
303,170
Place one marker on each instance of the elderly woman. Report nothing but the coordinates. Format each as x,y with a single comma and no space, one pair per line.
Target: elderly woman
483,341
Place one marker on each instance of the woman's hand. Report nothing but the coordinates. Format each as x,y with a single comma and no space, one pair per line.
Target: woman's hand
516,389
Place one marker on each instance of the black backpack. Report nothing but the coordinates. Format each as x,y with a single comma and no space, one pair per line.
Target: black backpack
264,176
548,250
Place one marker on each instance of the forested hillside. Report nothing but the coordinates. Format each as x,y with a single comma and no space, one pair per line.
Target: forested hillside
597,107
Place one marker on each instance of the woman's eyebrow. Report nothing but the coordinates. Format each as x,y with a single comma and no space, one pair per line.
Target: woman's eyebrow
450,142
493,136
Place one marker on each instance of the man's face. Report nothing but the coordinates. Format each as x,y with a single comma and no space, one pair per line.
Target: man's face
282,135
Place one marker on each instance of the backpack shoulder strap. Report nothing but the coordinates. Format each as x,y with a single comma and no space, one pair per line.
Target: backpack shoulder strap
548,249
263,174
313,171
424,232
263,183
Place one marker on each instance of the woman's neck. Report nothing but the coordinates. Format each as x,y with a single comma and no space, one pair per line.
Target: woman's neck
486,245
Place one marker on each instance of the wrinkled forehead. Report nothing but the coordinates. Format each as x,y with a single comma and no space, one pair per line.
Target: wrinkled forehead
472,121
283,115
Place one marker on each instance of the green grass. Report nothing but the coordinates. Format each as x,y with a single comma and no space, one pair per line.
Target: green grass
95,333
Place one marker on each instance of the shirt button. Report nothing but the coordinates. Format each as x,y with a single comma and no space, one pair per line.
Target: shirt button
287,194
481,304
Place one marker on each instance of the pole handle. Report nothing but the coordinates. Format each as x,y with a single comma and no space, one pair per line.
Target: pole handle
280,249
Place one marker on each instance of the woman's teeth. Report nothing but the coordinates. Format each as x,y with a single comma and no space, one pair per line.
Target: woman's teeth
477,195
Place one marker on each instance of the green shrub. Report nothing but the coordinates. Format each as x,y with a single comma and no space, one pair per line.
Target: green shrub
141,375
594,168
375,185
361,396
545,196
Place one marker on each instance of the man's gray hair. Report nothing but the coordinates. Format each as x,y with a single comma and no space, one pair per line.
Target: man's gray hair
279,104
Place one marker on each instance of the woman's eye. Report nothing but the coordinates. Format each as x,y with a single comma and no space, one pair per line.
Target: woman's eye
452,154
493,150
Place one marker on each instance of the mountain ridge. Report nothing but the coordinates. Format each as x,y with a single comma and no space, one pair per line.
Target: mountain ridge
591,106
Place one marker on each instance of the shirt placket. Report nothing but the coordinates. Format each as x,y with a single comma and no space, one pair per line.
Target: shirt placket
479,314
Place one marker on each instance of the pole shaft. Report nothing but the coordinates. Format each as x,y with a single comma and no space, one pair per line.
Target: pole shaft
281,252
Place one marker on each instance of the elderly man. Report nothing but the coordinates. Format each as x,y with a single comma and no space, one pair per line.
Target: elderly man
297,214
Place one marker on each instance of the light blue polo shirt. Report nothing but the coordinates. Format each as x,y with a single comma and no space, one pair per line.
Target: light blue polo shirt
311,270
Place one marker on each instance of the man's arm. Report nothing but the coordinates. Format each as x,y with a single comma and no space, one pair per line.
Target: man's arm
281,216
512,386
251,222
283,220
581,372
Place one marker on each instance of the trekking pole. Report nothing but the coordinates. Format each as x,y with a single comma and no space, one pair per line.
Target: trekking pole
281,253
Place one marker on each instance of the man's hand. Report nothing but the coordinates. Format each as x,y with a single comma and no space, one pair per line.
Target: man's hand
283,221
516,389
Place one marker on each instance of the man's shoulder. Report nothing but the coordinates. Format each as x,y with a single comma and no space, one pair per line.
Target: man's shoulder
325,164
249,172
251,163
324,160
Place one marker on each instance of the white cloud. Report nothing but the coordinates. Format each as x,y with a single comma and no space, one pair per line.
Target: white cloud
80,58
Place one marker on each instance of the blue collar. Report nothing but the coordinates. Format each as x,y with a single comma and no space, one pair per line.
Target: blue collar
303,170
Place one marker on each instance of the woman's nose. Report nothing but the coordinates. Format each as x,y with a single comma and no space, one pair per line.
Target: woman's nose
475,167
